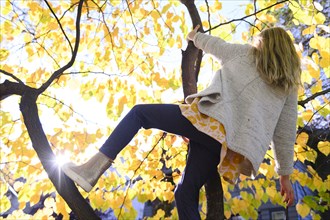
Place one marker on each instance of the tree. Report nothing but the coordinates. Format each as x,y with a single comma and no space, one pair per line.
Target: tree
107,56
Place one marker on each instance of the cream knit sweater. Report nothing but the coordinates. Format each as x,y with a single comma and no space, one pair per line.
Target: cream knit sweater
253,113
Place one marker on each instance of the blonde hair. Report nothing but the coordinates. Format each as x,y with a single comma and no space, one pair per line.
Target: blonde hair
276,59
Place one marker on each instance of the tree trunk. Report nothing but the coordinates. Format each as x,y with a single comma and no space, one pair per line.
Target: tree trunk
214,198
191,60
64,186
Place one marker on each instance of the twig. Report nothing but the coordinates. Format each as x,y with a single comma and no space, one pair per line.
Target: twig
12,76
253,14
131,15
301,130
303,102
58,72
135,171
59,23
208,14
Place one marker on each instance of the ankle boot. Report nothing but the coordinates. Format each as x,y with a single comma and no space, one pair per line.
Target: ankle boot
87,174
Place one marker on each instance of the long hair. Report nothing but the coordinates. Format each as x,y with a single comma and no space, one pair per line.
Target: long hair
276,59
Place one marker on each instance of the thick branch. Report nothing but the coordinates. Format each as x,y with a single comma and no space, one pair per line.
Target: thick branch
214,198
189,75
8,88
191,60
58,72
191,57
64,186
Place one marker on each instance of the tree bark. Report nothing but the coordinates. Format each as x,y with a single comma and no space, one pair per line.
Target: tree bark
64,186
214,198
190,66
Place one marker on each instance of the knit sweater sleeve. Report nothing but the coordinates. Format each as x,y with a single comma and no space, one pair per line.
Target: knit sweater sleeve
216,46
285,136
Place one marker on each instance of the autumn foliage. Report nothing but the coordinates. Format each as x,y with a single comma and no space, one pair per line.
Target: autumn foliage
84,64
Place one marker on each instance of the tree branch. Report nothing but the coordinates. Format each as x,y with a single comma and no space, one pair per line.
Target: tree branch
191,60
208,14
135,171
64,186
303,102
8,88
59,23
58,72
247,16
12,76
191,57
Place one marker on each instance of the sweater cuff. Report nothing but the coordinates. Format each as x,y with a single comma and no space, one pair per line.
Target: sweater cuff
284,171
195,38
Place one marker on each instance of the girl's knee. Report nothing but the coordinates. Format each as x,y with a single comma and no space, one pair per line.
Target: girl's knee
137,108
140,113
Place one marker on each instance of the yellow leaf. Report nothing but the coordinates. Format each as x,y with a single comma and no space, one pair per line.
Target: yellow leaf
165,8
324,147
146,30
179,41
271,191
325,61
115,2
205,24
61,207
316,58
317,87
35,199
295,21
306,77
4,203
6,9
318,184
319,18
155,15
3,54
227,214
303,209
175,18
249,9
309,30
313,43
217,5
22,205
171,42
302,139
52,25
311,154
29,51
203,8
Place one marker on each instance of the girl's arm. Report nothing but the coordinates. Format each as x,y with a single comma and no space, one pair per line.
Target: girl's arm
284,140
214,45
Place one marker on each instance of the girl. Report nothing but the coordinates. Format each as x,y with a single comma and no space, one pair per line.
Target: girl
251,102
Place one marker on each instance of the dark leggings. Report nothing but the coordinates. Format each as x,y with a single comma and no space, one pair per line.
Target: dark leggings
203,155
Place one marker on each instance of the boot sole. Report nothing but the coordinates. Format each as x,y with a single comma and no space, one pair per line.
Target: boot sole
66,168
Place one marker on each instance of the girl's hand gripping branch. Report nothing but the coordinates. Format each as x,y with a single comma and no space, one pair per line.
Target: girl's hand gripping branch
191,35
